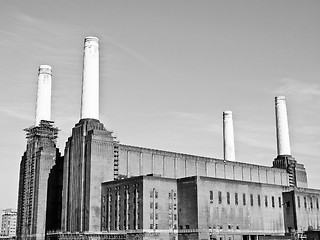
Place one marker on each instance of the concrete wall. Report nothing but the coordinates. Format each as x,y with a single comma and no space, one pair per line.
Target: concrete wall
302,209
157,206
199,201
135,161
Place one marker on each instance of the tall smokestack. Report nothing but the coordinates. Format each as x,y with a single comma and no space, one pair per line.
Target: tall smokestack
90,79
43,107
283,141
228,137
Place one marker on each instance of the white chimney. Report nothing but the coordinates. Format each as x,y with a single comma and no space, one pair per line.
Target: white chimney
228,136
90,79
283,141
43,106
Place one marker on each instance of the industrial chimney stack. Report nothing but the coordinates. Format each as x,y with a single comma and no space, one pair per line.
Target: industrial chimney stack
90,79
228,137
283,141
43,106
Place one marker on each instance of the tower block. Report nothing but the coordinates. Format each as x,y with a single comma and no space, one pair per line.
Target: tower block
89,154
36,163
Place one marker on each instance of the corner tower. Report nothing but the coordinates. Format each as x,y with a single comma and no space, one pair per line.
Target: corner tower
296,171
89,153
38,159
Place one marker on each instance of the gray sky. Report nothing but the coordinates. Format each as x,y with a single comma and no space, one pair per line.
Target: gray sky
168,71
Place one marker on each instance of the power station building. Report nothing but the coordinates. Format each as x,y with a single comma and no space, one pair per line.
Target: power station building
102,189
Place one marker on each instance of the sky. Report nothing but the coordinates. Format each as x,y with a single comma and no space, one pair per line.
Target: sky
168,69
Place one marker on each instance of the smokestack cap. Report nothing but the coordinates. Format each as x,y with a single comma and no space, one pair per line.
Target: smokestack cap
280,98
227,114
91,41
45,69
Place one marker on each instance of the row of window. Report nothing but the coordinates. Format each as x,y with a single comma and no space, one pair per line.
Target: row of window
310,200
244,199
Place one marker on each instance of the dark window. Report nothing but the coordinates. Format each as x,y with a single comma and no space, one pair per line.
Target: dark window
156,226
151,194
156,194
259,200
219,197
298,200
311,203
211,195
266,200
187,227
251,199
305,202
244,199
175,216
280,202
236,198
151,226
151,215
156,205
229,226
317,203
228,197
151,205
156,216
272,201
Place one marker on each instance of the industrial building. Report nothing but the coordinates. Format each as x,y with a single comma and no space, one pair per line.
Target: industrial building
102,189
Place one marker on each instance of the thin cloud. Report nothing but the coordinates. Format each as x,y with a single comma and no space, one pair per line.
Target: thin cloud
16,113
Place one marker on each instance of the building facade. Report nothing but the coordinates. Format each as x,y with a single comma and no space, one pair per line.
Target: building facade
8,223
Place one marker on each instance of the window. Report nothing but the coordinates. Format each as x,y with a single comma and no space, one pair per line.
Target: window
156,205
211,195
251,199
266,200
228,197
151,216
244,199
187,227
229,226
236,198
219,197
151,226
156,226
156,216
311,203
151,205
169,194
151,194
175,216
280,202
317,203
259,200
272,201
305,202
156,194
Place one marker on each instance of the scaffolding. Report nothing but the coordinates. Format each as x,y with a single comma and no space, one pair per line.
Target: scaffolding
44,130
